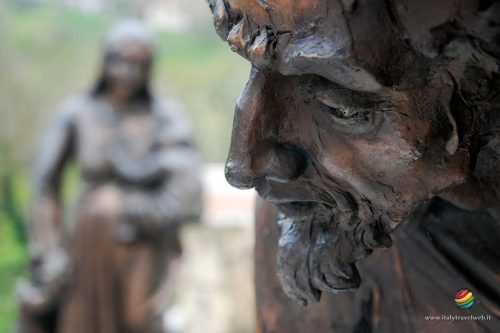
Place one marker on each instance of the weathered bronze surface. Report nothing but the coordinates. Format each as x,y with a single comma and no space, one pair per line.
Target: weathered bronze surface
139,182
357,116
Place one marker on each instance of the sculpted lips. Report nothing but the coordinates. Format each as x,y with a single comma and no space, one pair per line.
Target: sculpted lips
307,199
297,207
298,210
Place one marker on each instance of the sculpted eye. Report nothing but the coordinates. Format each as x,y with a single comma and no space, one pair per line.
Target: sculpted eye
346,115
345,112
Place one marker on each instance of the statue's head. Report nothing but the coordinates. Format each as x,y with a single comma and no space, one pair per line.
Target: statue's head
128,54
355,113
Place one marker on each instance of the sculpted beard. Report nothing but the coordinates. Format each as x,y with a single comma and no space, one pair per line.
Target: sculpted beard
318,252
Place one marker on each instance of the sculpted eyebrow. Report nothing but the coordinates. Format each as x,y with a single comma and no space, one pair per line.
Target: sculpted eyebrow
343,95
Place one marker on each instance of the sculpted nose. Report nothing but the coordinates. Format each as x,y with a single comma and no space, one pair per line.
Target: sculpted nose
256,153
279,164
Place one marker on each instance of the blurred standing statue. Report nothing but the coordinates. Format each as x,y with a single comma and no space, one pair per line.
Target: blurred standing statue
359,116
139,183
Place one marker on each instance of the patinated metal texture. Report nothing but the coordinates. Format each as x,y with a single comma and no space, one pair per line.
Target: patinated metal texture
357,115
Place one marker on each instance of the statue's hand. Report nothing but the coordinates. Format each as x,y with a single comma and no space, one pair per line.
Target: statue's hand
50,272
52,268
33,299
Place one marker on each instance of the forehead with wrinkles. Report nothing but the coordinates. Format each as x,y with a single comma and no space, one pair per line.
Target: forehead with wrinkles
361,45
282,15
304,37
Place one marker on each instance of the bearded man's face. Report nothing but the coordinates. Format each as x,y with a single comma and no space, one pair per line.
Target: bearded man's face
339,127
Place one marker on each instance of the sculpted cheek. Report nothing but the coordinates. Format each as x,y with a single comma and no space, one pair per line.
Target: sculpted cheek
393,186
337,157
371,168
406,132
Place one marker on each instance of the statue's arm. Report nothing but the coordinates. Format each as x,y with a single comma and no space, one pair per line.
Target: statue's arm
56,149
49,265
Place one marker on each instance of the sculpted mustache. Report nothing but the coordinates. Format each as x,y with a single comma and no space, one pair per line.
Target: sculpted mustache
318,253
336,202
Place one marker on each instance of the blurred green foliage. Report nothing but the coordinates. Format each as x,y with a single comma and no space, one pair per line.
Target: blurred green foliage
13,253
49,52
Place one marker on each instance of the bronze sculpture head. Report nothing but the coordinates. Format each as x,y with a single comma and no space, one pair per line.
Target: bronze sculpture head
357,112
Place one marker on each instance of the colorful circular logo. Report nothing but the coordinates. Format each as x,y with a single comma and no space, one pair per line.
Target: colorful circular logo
464,299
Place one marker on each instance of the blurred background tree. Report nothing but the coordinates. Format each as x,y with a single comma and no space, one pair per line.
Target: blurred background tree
50,49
